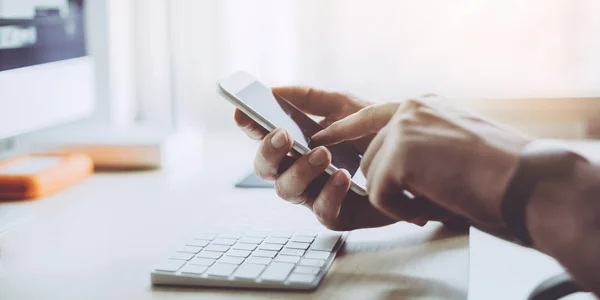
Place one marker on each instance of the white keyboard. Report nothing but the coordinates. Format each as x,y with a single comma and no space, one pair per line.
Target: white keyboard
254,259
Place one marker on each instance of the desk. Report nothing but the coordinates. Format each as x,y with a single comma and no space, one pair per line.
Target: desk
99,239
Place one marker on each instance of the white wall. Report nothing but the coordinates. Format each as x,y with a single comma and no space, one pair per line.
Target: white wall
384,49
469,48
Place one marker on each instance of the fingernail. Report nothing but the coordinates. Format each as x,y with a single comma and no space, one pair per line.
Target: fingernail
318,157
339,179
420,223
316,135
279,139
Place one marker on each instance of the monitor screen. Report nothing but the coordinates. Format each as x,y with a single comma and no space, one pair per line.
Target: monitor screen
40,31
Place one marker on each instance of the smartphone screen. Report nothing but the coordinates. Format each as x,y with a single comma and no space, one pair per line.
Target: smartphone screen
283,114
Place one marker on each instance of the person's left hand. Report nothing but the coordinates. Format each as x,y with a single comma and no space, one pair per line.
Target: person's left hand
299,181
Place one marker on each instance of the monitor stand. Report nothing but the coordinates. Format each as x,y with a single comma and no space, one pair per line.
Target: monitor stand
7,148
252,181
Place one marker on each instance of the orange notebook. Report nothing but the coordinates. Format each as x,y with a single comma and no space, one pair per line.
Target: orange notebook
38,175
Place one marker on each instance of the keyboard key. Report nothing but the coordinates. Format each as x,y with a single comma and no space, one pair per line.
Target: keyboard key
277,272
303,239
231,235
221,270
302,278
308,233
202,261
257,234
295,245
251,240
209,254
324,255
190,249
227,242
170,265
242,246
194,269
325,241
287,259
307,270
248,271
282,234
238,253
292,252
231,260
181,256
264,253
258,260
275,240
272,247
205,236
217,248
312,262
198,243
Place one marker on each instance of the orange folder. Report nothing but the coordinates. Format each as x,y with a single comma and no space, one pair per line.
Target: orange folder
38,175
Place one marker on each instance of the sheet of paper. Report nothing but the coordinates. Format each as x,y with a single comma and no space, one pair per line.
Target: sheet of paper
502,270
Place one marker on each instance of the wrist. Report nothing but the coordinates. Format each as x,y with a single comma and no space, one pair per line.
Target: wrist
541,163
559,212
563,222
550,211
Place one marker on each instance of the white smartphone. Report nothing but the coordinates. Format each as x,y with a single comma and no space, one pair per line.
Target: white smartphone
272,111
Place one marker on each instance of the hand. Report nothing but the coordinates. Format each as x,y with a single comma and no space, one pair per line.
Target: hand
433,149
303,181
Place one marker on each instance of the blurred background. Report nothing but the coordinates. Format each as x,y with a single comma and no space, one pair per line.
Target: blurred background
533,64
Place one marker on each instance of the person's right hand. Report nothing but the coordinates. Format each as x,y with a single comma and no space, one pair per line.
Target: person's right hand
431,147
303,181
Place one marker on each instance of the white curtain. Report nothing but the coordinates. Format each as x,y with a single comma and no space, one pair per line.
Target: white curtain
383,49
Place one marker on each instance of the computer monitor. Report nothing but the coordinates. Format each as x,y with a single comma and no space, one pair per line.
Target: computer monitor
46,74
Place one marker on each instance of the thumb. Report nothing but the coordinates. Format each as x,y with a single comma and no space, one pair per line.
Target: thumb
366,121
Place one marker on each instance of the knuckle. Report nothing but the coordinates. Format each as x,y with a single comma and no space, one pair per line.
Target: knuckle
430,95
262,173
320,215
405,120
281,190
289,188
330,223
411,104
263,169
407,113
414,102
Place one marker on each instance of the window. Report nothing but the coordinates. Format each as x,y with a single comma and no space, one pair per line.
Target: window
477,49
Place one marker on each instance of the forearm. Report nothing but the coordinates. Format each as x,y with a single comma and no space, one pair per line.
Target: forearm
563,218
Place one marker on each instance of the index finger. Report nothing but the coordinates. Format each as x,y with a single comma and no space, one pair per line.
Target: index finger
366,121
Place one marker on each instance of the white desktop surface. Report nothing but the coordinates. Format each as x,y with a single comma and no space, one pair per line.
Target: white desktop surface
100,238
